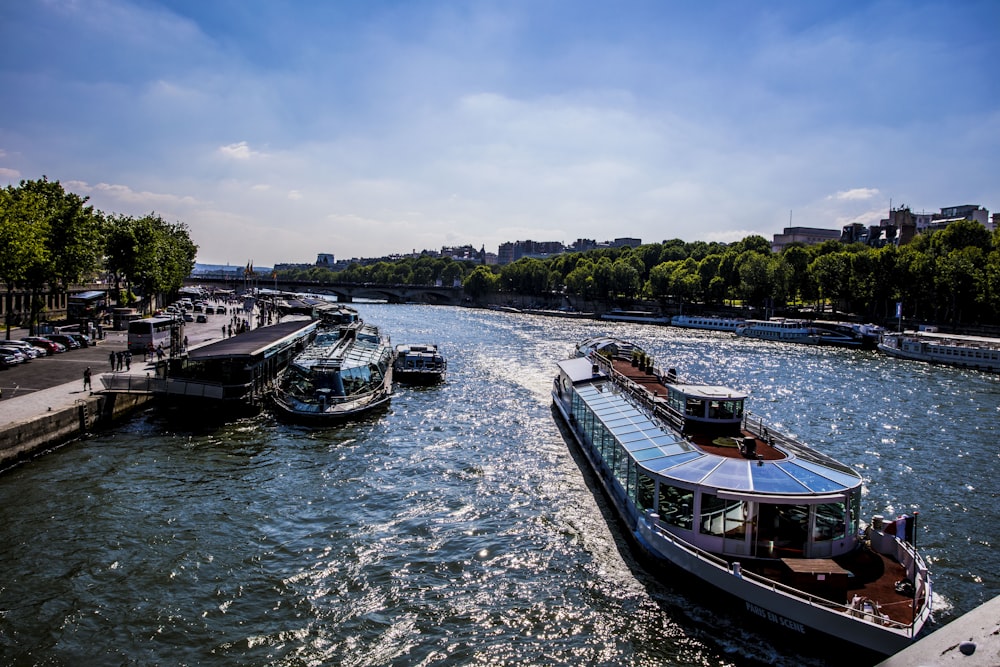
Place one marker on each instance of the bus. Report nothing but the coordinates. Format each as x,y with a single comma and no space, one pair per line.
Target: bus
151,330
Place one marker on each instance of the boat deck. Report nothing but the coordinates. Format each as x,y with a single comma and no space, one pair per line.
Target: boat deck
712,444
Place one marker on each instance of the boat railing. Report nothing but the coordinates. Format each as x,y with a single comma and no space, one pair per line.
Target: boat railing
130,384
658,408
777,586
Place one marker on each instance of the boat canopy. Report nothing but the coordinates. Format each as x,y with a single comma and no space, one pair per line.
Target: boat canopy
666,454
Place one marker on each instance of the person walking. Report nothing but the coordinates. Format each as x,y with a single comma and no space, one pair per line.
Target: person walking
86,379
111,358
128,360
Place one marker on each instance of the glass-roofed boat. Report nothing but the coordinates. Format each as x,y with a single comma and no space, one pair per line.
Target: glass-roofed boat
706,487
344,372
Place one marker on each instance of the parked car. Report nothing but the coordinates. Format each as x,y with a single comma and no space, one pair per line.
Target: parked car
65,339
50,346
83,339
6,360
188,317
19,357
220,310
26,348
201,318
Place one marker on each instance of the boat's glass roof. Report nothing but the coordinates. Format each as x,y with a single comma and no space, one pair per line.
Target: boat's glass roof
365,348
660,450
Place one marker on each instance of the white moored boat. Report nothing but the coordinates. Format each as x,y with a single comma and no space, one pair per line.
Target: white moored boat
976,352
705,487
707,322
419,364
787,330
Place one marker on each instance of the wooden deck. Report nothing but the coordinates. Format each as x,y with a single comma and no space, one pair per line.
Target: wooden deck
710,444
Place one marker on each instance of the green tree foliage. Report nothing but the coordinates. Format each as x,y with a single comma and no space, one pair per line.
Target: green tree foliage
148,254
23,230
480,282
69,231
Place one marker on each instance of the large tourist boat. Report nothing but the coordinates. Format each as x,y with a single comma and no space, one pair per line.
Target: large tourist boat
707,322
344,372
978,352
419,364
709,490
789,330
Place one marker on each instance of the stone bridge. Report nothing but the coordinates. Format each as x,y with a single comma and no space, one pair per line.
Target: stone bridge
345,292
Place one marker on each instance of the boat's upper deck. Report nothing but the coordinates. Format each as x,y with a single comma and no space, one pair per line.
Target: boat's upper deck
780,465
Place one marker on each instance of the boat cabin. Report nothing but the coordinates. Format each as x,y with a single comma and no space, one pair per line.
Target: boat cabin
706,408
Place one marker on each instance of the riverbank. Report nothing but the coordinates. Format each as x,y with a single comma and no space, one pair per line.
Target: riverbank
42,420
44,405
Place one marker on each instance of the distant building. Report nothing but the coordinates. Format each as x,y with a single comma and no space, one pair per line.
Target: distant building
583,245
626,242
951,214
465,253
325,259
511,252
806,235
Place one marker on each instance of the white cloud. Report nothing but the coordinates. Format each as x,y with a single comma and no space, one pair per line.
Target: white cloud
124,193
294,195
239,151
12,174
857,194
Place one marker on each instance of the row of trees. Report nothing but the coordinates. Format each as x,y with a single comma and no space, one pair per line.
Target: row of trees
947,276
50,238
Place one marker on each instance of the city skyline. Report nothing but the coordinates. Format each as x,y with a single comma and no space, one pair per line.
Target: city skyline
279,131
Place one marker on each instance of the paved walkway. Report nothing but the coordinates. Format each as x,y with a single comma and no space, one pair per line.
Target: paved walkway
51,383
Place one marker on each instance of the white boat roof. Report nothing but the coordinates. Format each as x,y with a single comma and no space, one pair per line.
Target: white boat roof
658,449
707,391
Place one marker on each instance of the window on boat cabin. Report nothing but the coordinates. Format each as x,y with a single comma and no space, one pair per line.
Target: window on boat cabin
725,409
782,527
723,517
831,522
645,492
676,505
694,407
676,401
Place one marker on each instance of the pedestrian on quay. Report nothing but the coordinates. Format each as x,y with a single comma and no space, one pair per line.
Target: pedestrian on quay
86,379
128,360
149,352
111,358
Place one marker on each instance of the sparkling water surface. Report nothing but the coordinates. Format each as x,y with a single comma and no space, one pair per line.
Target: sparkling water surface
456,527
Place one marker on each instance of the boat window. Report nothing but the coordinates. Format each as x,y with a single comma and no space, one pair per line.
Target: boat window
723,517
676,400
695,407
725,409
830,522
675,506
621,465
855,518
645,492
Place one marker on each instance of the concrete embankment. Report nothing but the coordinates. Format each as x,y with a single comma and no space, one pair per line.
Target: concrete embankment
52,417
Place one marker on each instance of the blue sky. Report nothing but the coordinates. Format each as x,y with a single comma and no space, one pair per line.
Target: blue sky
277,130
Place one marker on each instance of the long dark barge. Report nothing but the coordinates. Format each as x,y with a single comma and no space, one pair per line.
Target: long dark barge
241,369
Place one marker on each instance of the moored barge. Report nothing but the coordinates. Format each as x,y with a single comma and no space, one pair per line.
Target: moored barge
346,371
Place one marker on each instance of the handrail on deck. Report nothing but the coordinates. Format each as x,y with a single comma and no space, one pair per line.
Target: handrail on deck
771,583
